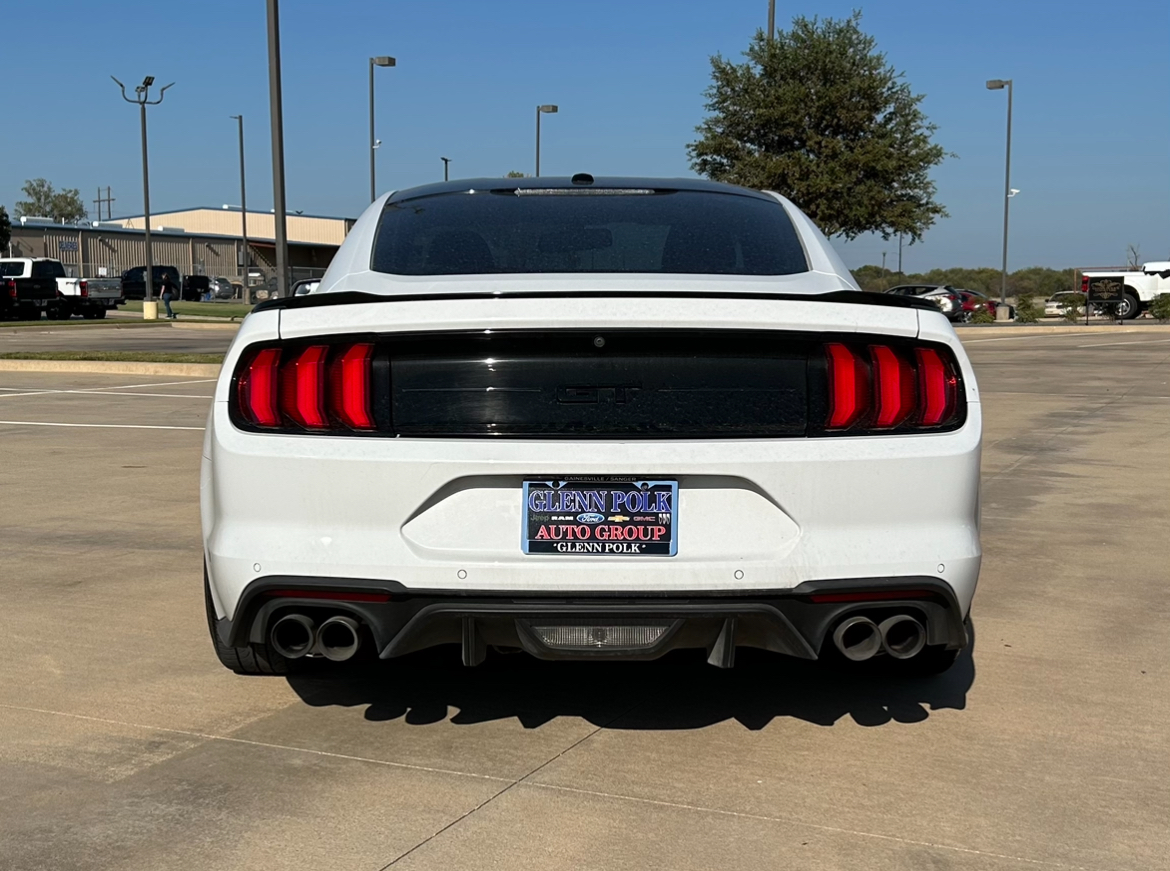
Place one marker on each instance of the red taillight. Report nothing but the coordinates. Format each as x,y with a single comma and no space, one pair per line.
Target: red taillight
256,389
848,387
894,382
84,288
349,387
937,385
317,388
302,388
1084,284
898,390
11,285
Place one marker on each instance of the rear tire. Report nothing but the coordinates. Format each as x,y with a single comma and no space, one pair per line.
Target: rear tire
249,659
99,313
1129,307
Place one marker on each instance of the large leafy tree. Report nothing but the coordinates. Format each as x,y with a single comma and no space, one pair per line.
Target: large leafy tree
44,201
817,114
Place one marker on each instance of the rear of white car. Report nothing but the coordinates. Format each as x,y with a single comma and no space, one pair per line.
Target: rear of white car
531,421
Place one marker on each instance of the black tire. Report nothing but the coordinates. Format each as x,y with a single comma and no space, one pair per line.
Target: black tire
250,659
1129,307
89,314
26,312
99,313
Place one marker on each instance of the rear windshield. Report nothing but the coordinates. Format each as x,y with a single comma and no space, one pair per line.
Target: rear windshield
587,230
12,269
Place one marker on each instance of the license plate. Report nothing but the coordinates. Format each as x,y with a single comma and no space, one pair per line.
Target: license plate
601,517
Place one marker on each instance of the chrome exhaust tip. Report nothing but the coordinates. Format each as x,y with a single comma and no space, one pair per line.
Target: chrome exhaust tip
858,638
338,638
903,637
292,636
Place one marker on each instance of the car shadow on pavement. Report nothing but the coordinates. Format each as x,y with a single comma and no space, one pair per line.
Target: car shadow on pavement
679,691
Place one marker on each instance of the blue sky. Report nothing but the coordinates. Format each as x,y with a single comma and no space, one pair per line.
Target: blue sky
1091,135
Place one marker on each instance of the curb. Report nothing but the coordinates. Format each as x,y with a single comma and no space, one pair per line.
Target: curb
189,325
1072,329
106,367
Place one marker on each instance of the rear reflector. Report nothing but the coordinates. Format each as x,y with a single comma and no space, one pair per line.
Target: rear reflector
901,389
333,595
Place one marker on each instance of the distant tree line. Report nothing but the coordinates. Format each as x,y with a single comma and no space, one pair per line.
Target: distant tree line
1038,281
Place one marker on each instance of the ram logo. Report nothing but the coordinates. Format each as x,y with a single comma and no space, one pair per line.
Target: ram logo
590,517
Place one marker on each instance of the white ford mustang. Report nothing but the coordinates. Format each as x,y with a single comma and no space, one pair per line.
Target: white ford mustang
589,417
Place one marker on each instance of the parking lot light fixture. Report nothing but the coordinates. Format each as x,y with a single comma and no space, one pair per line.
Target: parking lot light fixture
142,98
548,109
379,61
446,167
999,85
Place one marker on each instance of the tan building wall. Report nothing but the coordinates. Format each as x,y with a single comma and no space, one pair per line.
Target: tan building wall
87,251
261,225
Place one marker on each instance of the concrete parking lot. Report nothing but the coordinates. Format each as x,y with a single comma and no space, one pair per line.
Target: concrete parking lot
125,745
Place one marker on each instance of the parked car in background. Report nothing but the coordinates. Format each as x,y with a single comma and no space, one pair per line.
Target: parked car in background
28,286
221,288
943,295
134,280
89,297
1056,306
1139,287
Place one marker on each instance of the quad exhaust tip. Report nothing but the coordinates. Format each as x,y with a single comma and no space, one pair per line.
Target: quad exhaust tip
338,638
293,635
858,638
903,637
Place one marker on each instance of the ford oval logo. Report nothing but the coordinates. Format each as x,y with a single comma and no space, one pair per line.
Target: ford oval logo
590,517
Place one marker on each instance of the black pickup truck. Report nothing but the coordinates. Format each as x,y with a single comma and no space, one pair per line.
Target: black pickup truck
134,281
28,286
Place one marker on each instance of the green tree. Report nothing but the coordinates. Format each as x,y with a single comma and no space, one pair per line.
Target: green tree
817,114
63,206
5,230
512,173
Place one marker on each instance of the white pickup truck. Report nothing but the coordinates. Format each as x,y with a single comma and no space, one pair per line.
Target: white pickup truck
1141,286
89,297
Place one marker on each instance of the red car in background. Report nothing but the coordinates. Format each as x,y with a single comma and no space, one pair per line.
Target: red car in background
973,302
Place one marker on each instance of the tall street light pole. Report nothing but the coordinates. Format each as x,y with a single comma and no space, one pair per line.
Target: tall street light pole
998,85
446,167
545,109
381,61
771,19
276,112
142,98
243,207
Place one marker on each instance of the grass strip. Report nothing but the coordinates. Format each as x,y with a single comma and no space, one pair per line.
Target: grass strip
201,309
106,322
115,356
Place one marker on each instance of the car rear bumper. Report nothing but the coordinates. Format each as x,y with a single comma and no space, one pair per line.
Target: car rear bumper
794,622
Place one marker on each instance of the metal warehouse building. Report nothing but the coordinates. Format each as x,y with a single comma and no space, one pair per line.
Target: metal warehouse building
199,241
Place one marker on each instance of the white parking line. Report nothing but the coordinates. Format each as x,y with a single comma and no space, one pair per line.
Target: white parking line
158,384
95,425
99,393
1107,344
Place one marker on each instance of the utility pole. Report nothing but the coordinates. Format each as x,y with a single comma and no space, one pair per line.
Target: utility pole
883,263
276,112
142,98
243,209
771,19
999,85
899,253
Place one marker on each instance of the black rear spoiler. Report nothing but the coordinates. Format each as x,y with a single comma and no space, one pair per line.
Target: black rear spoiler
356,297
